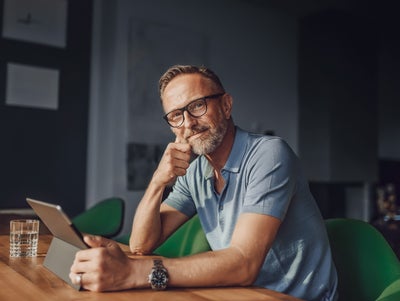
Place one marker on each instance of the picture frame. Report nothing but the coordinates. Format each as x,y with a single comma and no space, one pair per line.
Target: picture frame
36,21
32,86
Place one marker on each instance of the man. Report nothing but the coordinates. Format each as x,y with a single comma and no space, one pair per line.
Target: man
253,202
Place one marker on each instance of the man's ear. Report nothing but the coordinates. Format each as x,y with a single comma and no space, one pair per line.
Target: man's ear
227,105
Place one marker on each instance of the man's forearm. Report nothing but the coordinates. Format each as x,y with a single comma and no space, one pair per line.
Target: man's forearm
239,264
226,267
146,228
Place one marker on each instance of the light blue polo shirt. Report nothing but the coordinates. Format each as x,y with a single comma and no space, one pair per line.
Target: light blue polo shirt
263,176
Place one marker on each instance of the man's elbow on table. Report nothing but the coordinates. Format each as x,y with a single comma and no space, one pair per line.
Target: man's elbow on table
246,269
137,249
249,273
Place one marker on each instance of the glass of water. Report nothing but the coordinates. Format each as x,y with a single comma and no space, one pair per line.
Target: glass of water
24,235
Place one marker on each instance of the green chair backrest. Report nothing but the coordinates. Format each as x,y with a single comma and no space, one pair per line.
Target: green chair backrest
123,239
391,293
189,239
365,262
105,218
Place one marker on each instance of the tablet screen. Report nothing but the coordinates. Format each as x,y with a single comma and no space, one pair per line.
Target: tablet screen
57,222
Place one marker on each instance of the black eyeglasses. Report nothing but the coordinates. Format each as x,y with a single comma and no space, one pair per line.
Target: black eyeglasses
195,108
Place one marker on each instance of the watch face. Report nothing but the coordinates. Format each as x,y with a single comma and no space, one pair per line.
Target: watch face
159,278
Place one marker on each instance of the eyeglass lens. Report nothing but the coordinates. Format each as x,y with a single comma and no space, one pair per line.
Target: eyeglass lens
196,108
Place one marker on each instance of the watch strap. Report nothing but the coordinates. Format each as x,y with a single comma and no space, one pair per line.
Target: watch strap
158,277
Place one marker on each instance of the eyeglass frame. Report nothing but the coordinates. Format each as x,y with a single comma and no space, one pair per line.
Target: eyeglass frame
185,108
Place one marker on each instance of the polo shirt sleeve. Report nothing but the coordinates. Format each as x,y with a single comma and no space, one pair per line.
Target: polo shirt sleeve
180,197
271,173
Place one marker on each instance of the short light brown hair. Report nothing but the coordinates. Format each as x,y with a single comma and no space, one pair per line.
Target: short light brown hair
176,70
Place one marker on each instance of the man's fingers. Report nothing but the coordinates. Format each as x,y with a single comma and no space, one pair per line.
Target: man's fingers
181,140
174,162
182,144
99,246
95,241
179,151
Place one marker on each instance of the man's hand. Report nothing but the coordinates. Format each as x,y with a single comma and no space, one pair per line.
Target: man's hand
103,267
174,162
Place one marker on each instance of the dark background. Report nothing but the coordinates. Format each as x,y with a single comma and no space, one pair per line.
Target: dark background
43,152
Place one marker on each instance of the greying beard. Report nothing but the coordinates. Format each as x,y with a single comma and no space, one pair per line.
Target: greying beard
208,144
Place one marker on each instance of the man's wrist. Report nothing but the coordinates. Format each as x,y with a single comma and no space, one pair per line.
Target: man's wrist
156,187
158,277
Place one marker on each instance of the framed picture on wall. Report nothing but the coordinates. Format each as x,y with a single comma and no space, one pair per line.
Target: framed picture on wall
36,21
32,86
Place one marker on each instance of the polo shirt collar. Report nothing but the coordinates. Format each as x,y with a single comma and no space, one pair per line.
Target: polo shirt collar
237,152
235,157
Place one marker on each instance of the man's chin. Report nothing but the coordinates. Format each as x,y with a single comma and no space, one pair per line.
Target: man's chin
203,149
197,149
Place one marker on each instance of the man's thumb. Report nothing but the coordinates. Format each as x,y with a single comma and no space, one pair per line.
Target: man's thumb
95,241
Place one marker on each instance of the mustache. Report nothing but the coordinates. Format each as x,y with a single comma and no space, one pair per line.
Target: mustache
194,130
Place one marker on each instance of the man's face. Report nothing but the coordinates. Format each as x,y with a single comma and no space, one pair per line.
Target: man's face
206,132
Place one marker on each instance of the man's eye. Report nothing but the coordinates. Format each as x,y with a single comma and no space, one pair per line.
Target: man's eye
198,105
175,115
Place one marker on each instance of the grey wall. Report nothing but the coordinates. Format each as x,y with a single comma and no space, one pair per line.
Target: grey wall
254,51
338,97
389,94
254,48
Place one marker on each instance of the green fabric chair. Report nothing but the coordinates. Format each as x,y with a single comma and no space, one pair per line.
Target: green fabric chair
189,239
123,239
368,269
104,218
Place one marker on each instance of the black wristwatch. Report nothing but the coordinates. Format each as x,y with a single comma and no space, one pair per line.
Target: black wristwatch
158,277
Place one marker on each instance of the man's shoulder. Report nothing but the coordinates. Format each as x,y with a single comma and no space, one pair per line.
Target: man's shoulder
244,135
267,142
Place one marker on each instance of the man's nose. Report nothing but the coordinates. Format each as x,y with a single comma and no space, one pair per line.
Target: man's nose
189,119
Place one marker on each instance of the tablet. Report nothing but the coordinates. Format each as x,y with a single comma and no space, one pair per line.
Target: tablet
57,222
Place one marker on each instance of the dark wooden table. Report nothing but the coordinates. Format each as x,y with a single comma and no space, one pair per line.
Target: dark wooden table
28,279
